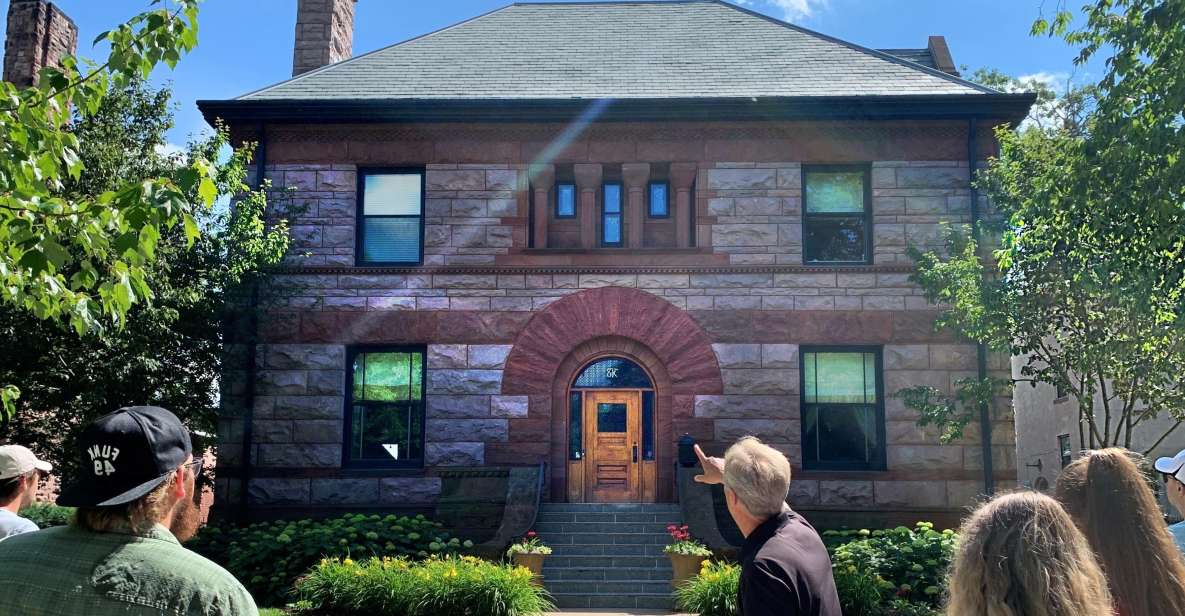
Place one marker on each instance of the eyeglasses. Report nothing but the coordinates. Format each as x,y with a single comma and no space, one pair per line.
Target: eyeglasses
196,467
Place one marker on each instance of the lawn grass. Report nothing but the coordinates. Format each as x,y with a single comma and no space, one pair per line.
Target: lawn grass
271,611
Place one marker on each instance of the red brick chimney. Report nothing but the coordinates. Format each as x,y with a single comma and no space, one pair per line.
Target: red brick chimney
940,53
324,33
39,35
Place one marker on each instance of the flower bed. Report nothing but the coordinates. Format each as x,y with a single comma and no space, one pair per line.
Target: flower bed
448,586
267,557
893,572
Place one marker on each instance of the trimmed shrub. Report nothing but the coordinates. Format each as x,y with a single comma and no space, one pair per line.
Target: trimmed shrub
447,586
711,593
48,515
267,557
875,569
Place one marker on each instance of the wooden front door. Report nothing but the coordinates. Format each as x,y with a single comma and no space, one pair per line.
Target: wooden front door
612,431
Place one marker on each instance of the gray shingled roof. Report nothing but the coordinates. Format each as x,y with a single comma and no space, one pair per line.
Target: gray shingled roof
675,49
917,56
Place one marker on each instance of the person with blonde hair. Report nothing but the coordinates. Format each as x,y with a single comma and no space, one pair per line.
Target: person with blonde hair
1021,555
1110,501
785,569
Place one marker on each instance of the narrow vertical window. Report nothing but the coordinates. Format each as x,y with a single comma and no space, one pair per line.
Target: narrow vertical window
611,215
836,220
648,425
842,412
659,204
575,426
565,200
385,415
1064,450
390,217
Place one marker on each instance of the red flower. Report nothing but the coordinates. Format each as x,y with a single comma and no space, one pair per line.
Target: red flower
531,534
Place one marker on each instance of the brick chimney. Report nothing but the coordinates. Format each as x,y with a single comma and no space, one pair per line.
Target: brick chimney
324,33
940,53
39,35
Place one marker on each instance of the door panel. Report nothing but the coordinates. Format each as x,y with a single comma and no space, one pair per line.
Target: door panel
612,421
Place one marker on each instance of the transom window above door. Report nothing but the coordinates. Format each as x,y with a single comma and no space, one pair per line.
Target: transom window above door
390,217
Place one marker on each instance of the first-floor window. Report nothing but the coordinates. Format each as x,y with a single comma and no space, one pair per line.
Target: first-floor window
843,425
385,409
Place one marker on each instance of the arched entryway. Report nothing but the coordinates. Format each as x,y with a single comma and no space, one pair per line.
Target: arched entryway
611,433
573,333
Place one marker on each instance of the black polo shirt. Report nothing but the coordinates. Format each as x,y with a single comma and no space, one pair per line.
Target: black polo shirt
785,570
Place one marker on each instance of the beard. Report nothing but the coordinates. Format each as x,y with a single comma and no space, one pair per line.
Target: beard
187,517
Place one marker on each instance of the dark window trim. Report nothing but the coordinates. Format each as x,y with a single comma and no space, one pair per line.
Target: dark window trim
352,352
360,216
866,169
1065,455
878,464
555,210
621,199
650,205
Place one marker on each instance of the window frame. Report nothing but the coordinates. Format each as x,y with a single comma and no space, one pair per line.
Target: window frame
620,214
650,201
555,210
866,170
1065,449
352,353
360,214
879,463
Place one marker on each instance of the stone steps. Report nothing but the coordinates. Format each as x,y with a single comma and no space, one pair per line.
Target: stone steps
607,555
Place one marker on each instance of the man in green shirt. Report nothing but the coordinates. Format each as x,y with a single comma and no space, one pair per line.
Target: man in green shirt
122,555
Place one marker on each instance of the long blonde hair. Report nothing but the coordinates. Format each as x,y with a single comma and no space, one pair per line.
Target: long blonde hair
138,516
1021,555
1111,502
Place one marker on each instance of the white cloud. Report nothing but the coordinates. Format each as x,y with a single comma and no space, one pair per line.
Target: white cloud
169,149
1056,81
788,10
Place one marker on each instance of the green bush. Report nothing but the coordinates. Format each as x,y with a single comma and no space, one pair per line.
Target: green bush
448,586
876,569
48,515
711,593
267,557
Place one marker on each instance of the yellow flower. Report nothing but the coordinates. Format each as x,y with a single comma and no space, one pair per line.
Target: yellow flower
347,562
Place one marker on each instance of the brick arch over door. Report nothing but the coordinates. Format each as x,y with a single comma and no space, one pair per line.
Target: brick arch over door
612,321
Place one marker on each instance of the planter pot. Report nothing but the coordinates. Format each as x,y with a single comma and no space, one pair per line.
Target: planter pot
685,567
534,562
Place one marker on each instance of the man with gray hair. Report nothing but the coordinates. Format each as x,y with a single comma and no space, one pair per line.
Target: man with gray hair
785,570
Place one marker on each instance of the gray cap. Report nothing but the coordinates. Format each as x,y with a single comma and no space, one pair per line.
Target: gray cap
16,461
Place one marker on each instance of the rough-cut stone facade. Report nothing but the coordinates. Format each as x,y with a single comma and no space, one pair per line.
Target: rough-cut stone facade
719,323
39,34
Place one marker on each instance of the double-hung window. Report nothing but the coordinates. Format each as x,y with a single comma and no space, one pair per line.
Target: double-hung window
390,217
837,215
843,424
611,214
385,409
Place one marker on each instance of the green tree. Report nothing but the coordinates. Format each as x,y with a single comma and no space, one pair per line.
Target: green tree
1086,284
82,257
169,352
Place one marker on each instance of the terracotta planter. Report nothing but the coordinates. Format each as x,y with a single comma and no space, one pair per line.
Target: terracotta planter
534,562
685,567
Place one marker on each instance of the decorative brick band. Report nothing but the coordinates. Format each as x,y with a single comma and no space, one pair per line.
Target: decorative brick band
599,269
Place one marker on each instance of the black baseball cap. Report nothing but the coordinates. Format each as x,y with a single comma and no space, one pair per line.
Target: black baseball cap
125,454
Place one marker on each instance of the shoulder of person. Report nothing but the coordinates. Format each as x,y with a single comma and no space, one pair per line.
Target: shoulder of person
206,578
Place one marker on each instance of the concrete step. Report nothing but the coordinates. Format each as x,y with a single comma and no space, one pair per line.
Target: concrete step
606,549
661,518
653,562
597,528
607,587
607,574
609,507
557,539
642,601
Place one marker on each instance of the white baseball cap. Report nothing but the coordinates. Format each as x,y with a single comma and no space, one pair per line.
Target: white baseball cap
1174,466
16,461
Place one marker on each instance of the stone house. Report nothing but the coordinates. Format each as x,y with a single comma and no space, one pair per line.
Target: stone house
570,234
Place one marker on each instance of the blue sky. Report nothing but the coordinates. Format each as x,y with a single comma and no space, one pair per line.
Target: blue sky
247,44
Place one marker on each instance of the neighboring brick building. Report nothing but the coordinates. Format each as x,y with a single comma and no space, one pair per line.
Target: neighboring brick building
715,202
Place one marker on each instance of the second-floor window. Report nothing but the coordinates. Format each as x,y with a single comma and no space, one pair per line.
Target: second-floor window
659,204
390,217
565,200
611,215
837,215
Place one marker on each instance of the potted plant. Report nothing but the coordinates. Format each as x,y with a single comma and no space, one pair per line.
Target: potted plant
686,554
529,552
